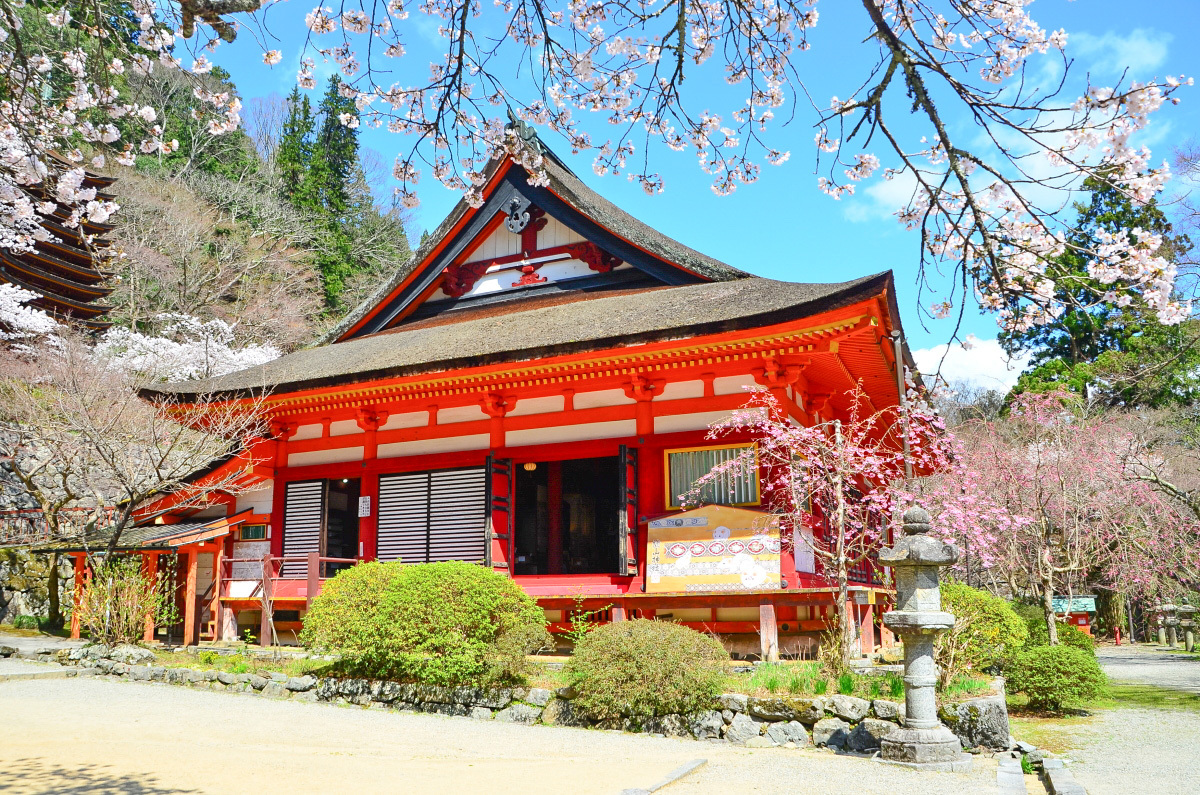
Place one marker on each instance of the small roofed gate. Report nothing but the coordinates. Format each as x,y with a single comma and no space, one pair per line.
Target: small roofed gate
432,516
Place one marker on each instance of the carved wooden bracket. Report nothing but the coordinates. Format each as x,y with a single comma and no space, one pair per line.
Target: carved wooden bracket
496,405
461,278
596,258
642,389
369,418
776,375
282,428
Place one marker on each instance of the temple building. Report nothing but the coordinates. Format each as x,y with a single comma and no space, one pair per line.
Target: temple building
66,271
533,393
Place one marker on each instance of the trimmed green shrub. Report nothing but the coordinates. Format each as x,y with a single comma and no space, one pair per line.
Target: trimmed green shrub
641,669
986,630
437,623
26,622
1068,635
1052,676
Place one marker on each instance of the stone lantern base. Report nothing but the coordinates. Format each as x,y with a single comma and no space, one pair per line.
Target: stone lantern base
936,748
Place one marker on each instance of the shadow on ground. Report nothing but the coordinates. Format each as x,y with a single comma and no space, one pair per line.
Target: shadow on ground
36,776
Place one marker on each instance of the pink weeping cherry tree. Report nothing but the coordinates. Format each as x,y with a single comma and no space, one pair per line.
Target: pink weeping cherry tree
949,103
1046,501
838,482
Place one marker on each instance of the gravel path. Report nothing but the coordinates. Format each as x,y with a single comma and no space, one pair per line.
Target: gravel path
104,736
1127,751
1144,665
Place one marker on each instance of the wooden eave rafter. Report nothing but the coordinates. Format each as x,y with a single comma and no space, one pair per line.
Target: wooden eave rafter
554,374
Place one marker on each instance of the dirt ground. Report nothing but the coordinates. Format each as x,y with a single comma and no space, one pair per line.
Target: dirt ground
105,737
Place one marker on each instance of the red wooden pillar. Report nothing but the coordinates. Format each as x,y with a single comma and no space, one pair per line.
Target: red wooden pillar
214,605
618,613
150,572
314,576
80,573
768,632
190,637
368,533
268,585
867,628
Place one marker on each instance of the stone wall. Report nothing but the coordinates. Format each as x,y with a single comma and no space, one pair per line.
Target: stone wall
839,722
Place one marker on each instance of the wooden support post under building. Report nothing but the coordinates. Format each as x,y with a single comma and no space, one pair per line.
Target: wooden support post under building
150,572
264,622
80,569
214,604
618,613
867,629
314,577
189,600
768,632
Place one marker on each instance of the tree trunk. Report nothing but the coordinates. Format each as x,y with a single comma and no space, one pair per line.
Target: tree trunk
1048,607
1110,611
55,619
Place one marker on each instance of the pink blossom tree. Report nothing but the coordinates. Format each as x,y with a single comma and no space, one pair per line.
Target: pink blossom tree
1045,500
984,203
837,483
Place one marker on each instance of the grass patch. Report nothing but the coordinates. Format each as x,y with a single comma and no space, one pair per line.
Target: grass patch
1055,734
240,664
1139,696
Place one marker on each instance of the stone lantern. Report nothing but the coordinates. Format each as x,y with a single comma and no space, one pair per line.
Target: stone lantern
1160,618
1171,619
918,618
1187,623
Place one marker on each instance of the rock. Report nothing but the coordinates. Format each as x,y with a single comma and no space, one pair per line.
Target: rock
275,676
867,734
158,673
707,725
309,697
191,675
734,702
300,684
892,655
742,729
454,710
131,655
498,698
275,690
209,676
831,732
761,741
480,713
539,696
139,673
983,723
886,710
668,726
787,708
120,669
849,707
727,716
519,713
567,692
791,732
1025,748
226,678
560,712
258,682
8,651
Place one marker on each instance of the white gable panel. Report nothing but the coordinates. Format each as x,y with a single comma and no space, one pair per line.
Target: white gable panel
501,243
556,233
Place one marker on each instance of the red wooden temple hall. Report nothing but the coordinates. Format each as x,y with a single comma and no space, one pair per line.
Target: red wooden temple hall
532,392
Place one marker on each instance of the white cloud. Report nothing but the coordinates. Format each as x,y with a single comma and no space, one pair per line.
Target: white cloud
984,364
1140,50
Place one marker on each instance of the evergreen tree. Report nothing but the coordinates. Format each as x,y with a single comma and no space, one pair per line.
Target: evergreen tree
1124,353
295,146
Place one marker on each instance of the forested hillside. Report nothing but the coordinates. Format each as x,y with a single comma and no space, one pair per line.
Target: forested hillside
273,228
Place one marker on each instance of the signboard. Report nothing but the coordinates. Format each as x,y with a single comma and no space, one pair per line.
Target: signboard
364,507
714,548
1080,604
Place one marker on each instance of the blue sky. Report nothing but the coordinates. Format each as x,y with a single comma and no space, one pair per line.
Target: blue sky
782,227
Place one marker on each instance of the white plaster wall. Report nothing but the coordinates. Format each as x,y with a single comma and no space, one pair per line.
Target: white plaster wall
542,405
312,431
338,455
571,433
603,397
344,428
411,419
556,233
450,444
460,414
678,390
688,422
732,384
259,500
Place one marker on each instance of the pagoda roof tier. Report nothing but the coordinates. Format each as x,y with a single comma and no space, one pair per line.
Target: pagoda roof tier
57,303
33,267
87,274
523,333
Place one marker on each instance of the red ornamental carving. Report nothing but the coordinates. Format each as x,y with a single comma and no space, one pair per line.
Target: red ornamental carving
461,278
596,259
529,276
537,222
